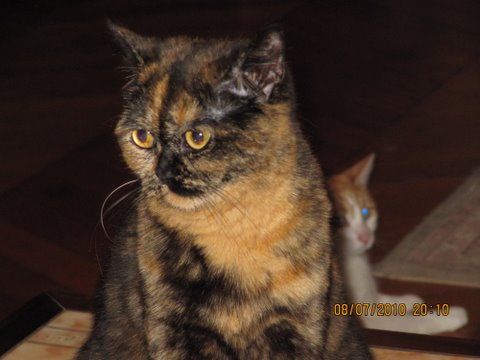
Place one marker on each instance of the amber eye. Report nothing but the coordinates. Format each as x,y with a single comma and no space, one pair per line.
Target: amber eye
143,138
197,138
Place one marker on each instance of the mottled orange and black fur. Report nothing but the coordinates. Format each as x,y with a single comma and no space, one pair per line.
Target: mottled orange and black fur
228,253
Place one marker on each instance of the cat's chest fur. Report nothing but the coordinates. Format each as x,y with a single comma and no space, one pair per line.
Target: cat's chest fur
244,239
360,280
241,302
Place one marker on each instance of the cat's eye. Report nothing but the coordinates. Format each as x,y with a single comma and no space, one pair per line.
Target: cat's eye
197,139
365,213
143,138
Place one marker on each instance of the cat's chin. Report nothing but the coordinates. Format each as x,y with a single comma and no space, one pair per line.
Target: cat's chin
358,248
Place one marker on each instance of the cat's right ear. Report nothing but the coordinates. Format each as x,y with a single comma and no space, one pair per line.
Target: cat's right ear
362,170
136,50
261,67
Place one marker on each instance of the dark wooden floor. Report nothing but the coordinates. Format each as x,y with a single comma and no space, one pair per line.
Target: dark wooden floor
401,78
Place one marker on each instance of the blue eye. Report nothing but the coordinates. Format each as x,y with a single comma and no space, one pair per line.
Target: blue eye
365,213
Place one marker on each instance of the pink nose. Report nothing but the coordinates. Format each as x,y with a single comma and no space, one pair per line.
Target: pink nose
364,237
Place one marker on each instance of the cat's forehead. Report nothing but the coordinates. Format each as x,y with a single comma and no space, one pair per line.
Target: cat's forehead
350,195
180,82
189,59
358,196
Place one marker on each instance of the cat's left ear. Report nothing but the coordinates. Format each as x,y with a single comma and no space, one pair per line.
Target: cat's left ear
362,170
261,67
137,50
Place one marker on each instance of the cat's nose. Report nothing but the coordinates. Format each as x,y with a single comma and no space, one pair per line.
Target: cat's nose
164,168
364,237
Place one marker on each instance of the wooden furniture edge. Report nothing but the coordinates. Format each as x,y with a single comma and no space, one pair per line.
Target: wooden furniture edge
23,322
427,343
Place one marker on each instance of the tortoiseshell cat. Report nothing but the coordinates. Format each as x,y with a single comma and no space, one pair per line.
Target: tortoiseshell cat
228,253
358,215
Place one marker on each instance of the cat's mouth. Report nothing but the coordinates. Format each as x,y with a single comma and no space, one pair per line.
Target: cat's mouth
177,195
181,199
179,188
365,242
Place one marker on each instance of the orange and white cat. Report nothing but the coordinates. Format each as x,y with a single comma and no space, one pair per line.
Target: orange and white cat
358,218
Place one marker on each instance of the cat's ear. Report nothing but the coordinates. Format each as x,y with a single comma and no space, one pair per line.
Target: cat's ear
261,66
136,49
361,171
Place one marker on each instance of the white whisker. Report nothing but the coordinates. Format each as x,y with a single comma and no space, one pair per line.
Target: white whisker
102,209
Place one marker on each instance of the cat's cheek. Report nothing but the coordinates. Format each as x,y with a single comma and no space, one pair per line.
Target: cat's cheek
352,243
349,240
370,243
142,162
372,223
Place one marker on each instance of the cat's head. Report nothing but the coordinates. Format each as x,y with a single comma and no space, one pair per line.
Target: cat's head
203,114
354,206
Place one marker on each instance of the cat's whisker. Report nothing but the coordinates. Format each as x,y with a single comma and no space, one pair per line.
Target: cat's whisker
226,197
223,196
111,207
102,209
103,213
98,258
222,193
221,219
225,225
211,210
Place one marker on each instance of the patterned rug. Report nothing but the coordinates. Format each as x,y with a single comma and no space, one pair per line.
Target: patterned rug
445,247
